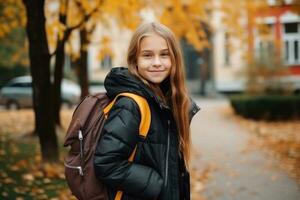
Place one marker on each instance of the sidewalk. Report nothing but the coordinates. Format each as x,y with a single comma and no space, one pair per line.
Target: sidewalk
238,173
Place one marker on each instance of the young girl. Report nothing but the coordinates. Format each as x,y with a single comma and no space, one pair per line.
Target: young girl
156,72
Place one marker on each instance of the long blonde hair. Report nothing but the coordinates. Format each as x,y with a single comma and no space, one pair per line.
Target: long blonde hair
178,95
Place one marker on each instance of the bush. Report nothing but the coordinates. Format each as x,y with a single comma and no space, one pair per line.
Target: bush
268,107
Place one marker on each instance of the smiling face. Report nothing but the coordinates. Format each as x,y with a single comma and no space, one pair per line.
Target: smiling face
154,60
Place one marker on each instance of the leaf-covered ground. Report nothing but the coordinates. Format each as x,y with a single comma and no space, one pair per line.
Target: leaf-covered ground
23,176
281,139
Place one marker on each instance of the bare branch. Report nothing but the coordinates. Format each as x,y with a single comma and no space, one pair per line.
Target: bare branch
69,30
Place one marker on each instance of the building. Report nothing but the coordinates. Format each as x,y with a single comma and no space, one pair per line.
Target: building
283,20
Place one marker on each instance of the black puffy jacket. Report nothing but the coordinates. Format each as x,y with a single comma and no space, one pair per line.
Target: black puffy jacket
158,170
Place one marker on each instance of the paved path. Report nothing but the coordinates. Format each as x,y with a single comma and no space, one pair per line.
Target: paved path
238,174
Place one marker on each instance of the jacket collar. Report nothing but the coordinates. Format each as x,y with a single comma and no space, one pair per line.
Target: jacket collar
120,80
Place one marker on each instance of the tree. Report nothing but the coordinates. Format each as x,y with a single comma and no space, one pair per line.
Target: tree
124,13
13,44
64,31
190,20
59,61
82,60
40,71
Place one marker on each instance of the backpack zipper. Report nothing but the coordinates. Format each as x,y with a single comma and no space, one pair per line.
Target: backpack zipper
167,157
80,137
75,167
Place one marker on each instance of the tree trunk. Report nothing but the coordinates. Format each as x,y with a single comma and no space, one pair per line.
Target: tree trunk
40,72
204,71
59,64
58,75
203,77
82,67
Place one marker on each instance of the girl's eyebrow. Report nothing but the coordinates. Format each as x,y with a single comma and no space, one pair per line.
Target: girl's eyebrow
148,50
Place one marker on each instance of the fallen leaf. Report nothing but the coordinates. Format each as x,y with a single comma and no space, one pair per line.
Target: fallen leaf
2,152
8,180
46,180
4,194
28,177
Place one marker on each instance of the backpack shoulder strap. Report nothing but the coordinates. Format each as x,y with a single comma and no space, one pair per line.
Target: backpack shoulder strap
144,110
144,124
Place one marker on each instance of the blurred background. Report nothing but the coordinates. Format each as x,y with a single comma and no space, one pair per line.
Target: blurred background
242,60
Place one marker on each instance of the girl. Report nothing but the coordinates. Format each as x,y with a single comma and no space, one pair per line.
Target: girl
156,72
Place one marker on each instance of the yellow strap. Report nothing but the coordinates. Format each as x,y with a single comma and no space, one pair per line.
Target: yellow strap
119,195
144,110
144,124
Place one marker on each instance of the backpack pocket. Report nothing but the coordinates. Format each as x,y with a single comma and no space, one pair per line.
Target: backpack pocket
74,174
74,170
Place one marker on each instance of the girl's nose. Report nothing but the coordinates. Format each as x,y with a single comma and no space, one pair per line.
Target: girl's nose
156,61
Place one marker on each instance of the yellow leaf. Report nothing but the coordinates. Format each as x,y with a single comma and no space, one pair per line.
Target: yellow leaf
8,180
19,165
28,177
46,180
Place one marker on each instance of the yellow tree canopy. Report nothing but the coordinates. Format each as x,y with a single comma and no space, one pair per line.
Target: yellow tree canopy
238,17
189,19
13,43
89,14
12,16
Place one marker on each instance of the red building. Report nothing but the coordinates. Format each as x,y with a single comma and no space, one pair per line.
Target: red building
284,21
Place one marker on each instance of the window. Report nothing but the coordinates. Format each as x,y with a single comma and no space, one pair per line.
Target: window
291,28
276,2
106,63
227,50
296,50
265,52
264,44
291,40
286,44
21,84
271,2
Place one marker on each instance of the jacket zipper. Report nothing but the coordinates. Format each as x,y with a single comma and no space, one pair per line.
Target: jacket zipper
167,157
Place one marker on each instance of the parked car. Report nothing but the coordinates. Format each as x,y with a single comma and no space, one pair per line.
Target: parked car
96,87
17,93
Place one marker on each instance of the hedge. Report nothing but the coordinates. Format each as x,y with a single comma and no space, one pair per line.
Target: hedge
267,107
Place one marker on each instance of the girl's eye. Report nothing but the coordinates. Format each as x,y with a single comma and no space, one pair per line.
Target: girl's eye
165,54
146,55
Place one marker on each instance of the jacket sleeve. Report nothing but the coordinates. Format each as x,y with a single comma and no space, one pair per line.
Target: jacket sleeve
119,137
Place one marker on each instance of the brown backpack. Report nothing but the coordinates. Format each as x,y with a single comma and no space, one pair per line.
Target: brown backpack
82,136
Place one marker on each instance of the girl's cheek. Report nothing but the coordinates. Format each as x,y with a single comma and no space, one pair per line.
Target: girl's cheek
144,62
167,62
